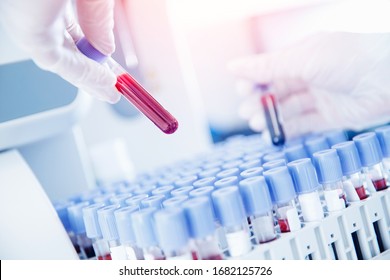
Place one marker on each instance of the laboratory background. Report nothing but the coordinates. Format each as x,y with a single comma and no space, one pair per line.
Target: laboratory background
84,179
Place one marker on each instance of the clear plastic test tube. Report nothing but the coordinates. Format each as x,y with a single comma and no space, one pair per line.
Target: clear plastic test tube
371,157
132,90
283,195
172,233
306,186
199,214
330,175
258,206
142,224
123,220
353,181
231,214
109,230
271,114
92,227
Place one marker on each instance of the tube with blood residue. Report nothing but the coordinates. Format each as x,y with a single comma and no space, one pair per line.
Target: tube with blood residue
271,116
132,90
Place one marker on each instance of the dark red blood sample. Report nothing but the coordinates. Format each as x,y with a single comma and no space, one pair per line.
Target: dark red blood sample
89,252
284,226
144,102
361,192
105,257
272,119
213,257
380,184
159,258
194,255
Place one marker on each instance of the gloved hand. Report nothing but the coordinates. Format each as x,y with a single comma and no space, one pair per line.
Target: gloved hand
47,31
327,81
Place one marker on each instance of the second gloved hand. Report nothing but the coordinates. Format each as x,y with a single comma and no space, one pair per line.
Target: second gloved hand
47,31
328,81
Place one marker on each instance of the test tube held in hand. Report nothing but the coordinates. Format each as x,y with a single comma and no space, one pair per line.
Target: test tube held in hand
132,90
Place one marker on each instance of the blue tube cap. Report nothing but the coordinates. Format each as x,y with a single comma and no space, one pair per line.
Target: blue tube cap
124,223
210,172
349,157
272,156
383,134
336,136
186,181
144,190
295,152
153,201
136,200
315,144
181,191
164,191
256,197
229,206
251,172
208,181
200,217
75,214
90,51
91,222
274,163
228,173
304,175
369,148
328,166
232,164
280,184
250,164
171,229
175,201
107,222
227,182
142,224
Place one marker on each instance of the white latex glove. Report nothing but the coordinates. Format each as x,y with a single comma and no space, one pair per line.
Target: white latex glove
47,31
327,81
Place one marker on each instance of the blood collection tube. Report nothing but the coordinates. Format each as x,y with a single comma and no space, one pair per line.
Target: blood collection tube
172,234
75,213
383,134
330,175
231,214
200,218
109,230
142,224
371,157
351,166
283,195
306,186
258,206
123,220
100,246
132,90
271,116
62,211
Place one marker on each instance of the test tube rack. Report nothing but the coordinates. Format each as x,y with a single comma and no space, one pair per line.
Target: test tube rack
360,231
